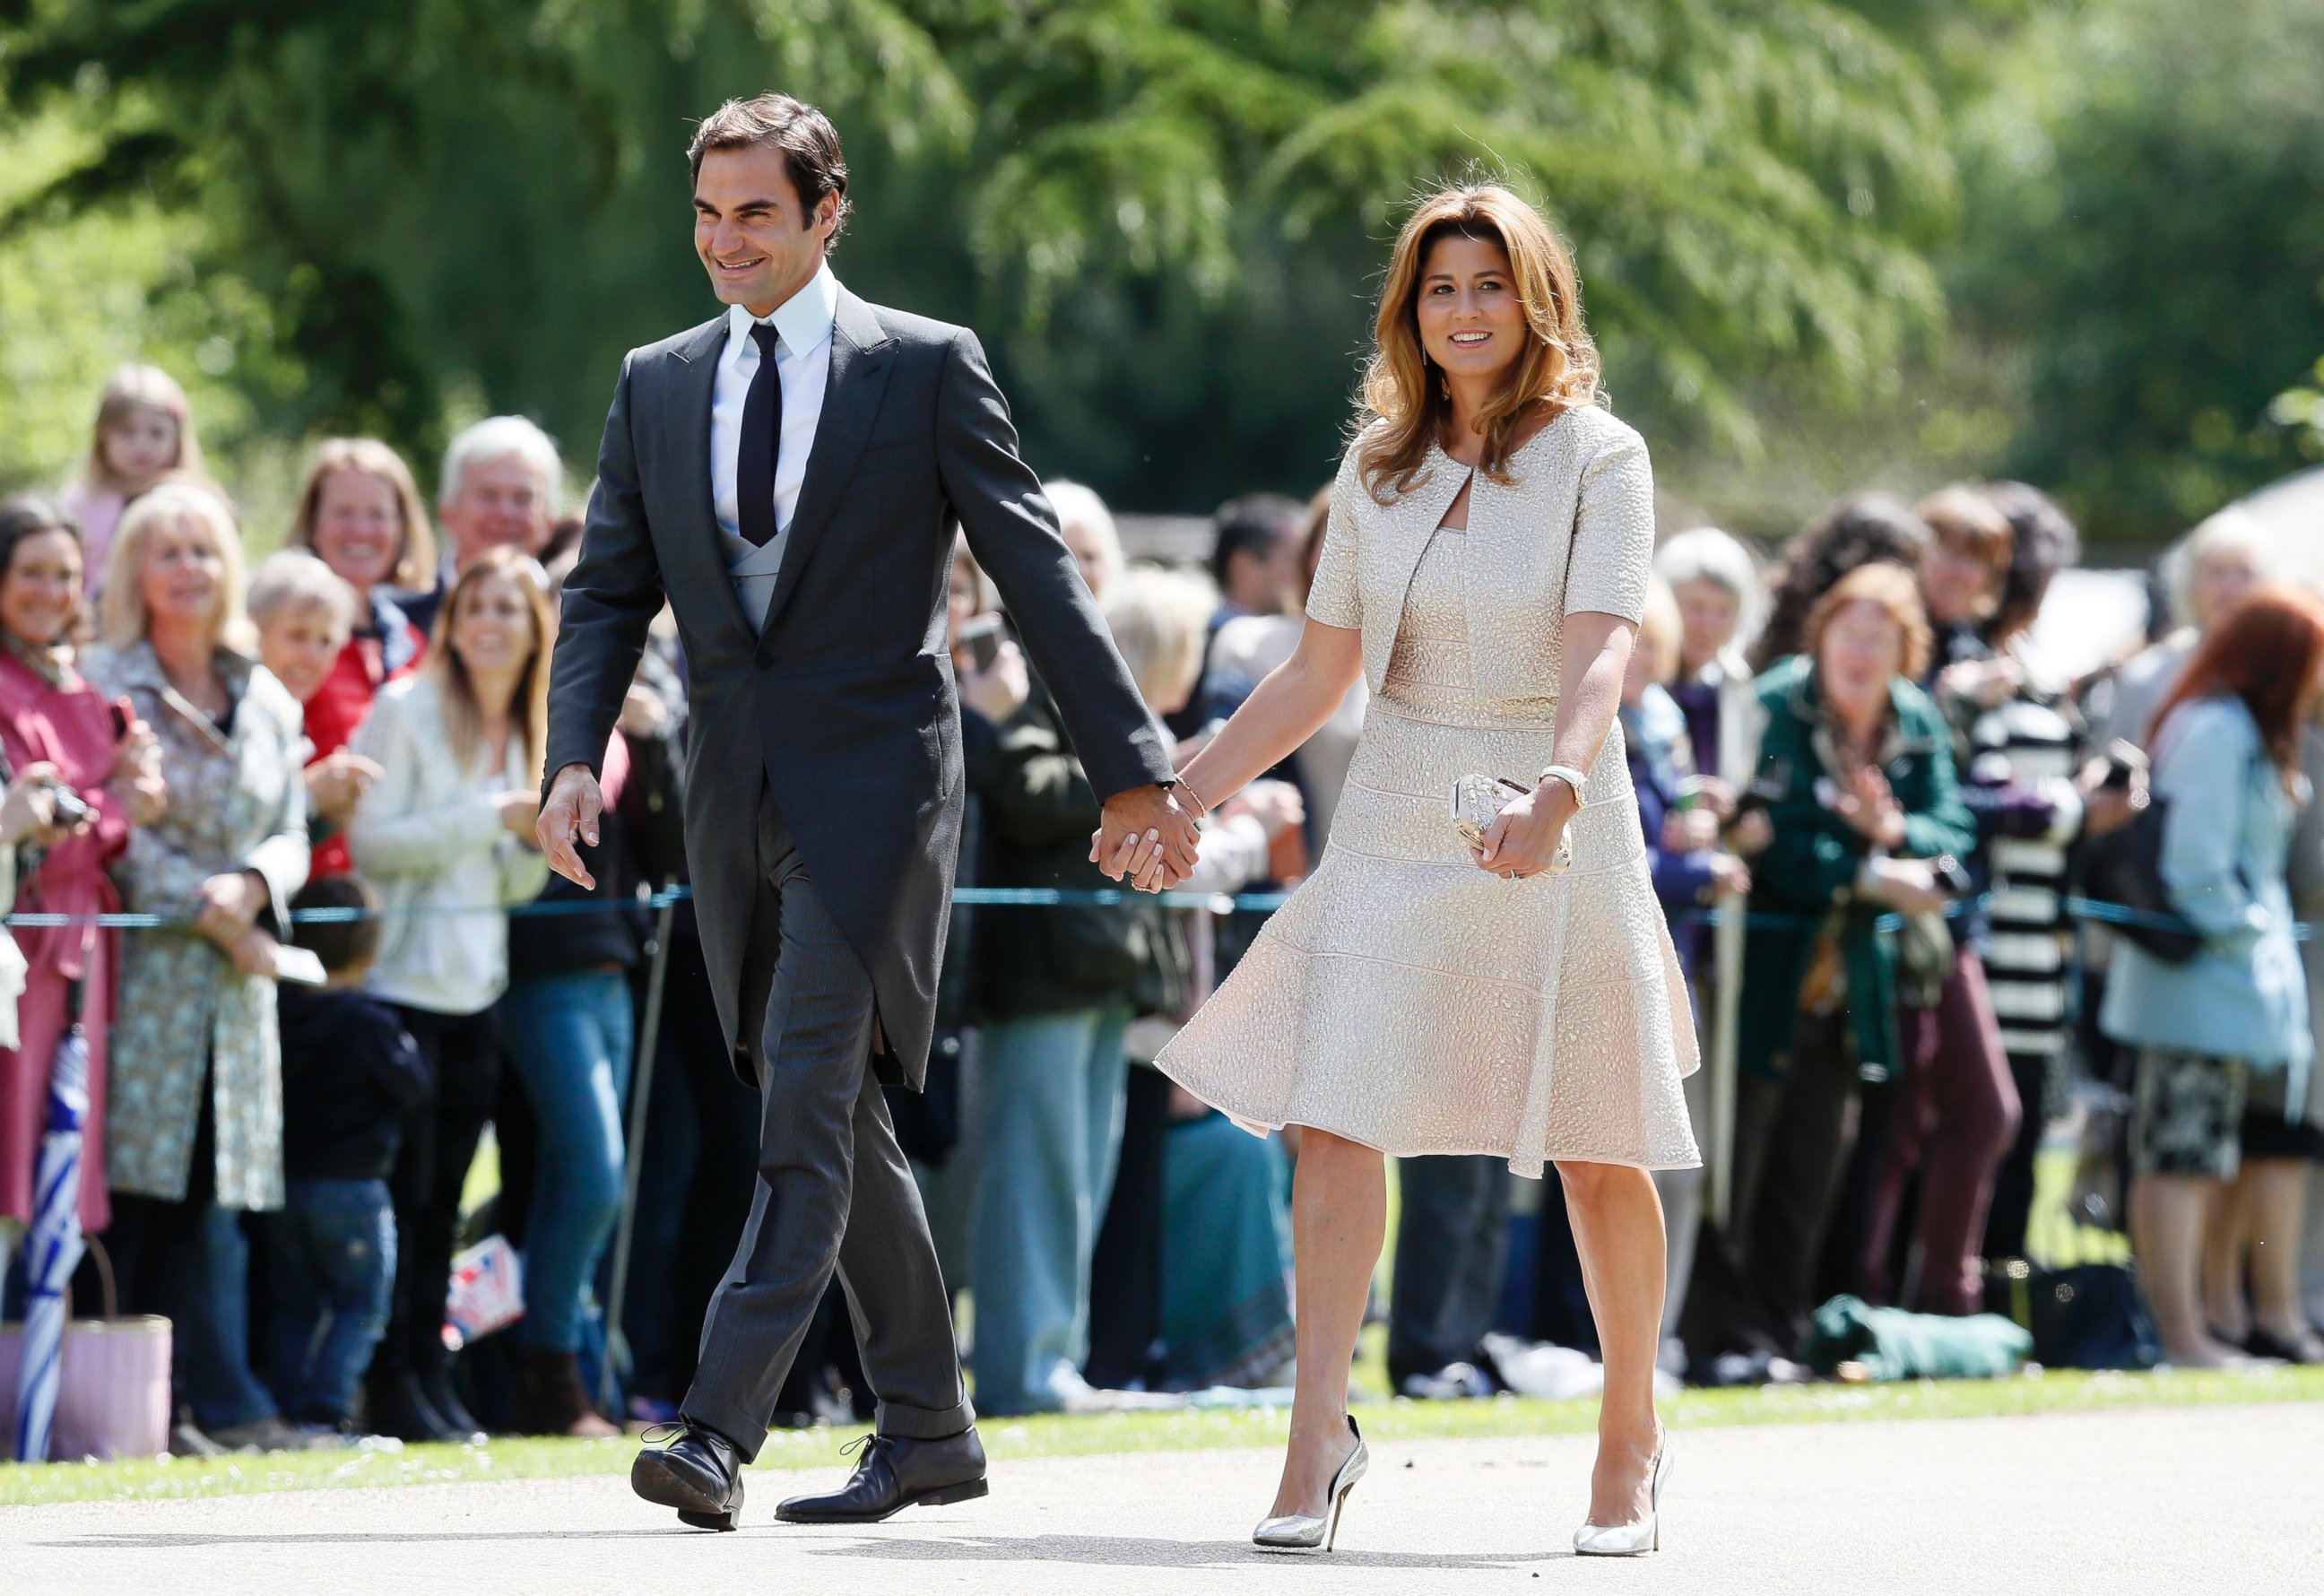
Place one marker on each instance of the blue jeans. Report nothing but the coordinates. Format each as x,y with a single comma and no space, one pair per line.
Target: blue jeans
570,1037
1053,1091
331,1259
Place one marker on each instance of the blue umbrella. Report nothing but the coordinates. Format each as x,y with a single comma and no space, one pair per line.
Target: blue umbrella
53,1246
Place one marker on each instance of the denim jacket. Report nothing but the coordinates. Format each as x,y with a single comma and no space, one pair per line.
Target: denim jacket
2227,841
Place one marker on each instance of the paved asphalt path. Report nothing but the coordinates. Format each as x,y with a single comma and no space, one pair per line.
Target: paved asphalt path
2218,1500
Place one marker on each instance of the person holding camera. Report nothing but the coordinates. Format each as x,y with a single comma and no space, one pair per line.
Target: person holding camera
79,777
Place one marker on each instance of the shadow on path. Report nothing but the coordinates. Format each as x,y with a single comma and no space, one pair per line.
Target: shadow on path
1134,1552
1098,1551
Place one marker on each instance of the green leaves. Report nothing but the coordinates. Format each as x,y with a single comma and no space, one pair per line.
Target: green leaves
441,196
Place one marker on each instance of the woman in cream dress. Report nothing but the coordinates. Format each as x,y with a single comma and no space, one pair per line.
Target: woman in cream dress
1484,570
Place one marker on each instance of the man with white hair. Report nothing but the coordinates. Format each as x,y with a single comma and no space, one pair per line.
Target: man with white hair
502,483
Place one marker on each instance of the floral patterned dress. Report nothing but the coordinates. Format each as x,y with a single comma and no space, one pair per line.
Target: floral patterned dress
237,802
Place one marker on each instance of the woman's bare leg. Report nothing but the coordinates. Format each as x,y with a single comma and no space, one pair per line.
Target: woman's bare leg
2276,1201
1339,1221
1618,1230
2168,1215
2226,1242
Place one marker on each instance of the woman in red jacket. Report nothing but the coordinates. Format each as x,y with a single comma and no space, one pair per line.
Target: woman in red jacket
360,512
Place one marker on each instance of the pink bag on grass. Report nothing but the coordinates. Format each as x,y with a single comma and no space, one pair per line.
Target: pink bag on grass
115,1400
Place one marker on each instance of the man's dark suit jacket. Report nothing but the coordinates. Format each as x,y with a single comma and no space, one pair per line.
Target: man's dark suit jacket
843,705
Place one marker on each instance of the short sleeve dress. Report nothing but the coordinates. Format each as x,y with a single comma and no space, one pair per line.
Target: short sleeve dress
1403,998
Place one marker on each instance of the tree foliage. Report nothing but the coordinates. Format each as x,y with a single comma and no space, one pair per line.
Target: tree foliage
2146,234
1164,215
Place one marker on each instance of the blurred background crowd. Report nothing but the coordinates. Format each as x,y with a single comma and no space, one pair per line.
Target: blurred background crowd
255,666
1868,796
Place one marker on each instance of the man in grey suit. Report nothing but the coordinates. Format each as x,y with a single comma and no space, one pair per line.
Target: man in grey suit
789,476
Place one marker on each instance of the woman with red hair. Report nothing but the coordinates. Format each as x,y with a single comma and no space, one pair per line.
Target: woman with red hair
2232,1020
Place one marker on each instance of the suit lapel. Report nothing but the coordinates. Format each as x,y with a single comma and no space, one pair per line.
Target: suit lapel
695,380
860,353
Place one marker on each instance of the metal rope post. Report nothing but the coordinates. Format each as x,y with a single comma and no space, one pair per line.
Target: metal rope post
617,1345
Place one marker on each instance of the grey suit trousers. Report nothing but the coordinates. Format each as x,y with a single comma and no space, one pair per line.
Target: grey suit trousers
835,1191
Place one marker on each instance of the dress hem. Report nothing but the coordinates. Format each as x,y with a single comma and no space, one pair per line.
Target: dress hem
1263,1128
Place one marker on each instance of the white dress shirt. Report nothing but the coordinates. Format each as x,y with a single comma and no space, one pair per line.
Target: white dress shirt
803,323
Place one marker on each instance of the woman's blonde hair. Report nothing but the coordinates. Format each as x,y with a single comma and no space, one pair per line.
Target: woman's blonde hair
1079,506
464,717
1401,386
415,551
1661,630
1891,589
123,617
134,386
1160,621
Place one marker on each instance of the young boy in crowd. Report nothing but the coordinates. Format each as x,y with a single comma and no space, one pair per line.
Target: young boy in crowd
350,1075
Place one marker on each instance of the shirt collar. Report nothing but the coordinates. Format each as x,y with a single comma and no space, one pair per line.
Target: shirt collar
803,321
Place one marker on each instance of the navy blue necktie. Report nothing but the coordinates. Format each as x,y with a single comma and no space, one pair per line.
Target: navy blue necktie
762,440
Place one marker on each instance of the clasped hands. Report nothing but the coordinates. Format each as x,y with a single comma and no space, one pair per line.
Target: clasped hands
1148,837
231,902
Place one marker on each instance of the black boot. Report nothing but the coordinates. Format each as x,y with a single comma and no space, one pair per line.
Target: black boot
434,1381
896,1472
401,1409
699,1473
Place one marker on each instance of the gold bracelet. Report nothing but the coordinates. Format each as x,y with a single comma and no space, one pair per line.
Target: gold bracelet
1201,808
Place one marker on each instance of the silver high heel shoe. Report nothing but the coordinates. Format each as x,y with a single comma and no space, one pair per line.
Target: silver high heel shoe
1297,1532
1629,1540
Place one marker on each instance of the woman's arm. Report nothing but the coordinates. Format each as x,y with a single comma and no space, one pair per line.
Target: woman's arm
2201,773
1282,712
282,855
1524,840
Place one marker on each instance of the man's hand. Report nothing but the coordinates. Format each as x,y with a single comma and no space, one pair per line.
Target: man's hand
1160,835
573,808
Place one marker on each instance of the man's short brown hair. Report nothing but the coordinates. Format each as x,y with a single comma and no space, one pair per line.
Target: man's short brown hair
810,144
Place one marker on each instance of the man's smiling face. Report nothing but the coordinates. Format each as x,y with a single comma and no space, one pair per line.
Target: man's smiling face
756,241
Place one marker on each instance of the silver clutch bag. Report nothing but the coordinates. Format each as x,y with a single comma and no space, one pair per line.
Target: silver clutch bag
1477,800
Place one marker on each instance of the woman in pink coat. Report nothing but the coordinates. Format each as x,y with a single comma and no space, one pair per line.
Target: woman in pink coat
59,734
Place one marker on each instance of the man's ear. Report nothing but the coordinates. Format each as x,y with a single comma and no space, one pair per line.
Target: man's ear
827,216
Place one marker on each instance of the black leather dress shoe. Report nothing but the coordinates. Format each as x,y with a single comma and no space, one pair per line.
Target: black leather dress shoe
895,1472
699,1473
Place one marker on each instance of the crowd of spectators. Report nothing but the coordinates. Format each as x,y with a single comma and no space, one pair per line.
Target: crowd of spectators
1866,798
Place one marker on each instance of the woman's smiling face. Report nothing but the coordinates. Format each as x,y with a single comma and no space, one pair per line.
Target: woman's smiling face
40,594
1473,319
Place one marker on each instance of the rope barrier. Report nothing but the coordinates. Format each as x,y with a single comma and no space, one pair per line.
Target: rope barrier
2074,908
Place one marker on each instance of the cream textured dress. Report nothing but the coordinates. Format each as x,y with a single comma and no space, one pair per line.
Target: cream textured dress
1404,997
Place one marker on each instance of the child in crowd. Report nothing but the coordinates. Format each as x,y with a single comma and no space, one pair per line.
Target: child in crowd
351,1073
143,432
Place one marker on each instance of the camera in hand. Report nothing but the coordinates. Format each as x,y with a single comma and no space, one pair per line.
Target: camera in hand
69,808
1952,875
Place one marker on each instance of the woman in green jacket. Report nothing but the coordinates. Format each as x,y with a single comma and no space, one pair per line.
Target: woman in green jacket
1855,773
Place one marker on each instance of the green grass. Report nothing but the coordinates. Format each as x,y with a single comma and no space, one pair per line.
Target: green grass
1009,1439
